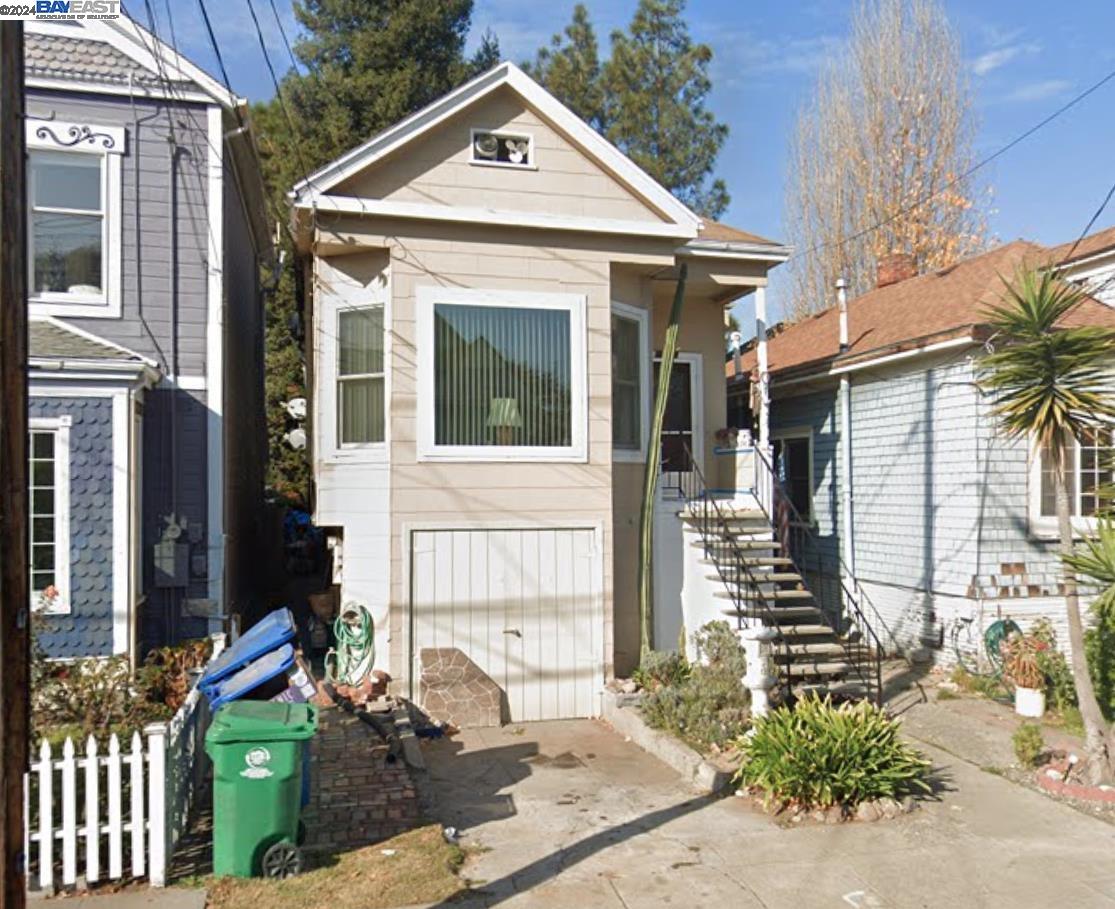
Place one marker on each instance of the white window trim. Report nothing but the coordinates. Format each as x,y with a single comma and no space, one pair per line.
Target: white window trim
1044,527
108,143
60,426
646,373
575,304
797,433
374,295
531,164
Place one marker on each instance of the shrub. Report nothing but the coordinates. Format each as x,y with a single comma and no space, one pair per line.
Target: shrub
818,755
1099,645
1060,690
660,669
1028,744
709,705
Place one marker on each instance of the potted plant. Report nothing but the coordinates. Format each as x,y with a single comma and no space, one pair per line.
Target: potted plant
1022,666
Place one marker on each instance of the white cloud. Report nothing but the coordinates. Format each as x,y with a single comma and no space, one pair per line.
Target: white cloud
1040,91
1001,56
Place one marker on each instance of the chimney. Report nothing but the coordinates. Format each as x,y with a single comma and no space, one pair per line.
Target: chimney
891,269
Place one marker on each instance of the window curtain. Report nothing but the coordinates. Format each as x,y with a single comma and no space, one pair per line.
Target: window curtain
502,376
360,376
626,359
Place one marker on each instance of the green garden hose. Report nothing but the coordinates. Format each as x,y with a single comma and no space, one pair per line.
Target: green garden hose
350,662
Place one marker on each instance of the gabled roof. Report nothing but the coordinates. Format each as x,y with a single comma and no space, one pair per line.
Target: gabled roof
928,309
54,340
590,142
115,54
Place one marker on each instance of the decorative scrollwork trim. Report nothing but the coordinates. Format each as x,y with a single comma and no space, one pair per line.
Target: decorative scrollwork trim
76,136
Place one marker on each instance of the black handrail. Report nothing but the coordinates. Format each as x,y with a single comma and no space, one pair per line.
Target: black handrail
794,531
748,597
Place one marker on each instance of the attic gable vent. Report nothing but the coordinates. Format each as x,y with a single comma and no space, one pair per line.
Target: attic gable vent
502,149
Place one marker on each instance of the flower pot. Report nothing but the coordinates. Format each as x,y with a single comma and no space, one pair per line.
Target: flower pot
1029,702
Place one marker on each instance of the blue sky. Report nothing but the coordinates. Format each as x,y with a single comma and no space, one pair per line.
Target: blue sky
1025,58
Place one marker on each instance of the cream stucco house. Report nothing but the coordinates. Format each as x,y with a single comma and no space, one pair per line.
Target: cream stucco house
490,282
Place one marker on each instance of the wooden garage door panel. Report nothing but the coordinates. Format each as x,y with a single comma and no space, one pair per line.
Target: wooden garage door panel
524,605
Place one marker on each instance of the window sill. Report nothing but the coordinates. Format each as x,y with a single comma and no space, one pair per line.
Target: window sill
1043,530
73,305
497,456
370,454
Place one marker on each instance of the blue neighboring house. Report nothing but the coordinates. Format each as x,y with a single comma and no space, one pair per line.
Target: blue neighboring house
147,237
949,520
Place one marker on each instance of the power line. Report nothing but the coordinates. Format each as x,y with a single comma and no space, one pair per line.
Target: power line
1088,226
282,31
1002,150
294,133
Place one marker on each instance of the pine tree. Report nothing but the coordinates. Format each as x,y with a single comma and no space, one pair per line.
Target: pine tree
569,68
368,64
656,85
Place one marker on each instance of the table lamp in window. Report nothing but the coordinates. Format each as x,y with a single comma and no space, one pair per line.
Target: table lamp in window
504,417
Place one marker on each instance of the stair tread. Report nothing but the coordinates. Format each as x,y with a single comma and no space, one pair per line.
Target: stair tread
757,561
763,577
777,612
772,595
742,544
829,668
828,647
805,630
845,688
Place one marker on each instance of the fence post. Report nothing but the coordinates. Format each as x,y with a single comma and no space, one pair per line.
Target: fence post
46,817
156,734
92,812
138,825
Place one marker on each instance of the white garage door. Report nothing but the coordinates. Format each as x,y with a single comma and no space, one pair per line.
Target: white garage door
524,605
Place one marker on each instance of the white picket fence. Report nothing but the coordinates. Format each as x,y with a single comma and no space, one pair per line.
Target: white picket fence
134,808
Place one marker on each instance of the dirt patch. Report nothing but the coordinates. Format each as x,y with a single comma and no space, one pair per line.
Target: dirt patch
414,867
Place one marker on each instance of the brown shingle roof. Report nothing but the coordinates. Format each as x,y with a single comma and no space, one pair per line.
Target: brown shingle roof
932,307
714,230
1094,243
79,58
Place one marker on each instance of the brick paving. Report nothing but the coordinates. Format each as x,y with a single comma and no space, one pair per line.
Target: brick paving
358,796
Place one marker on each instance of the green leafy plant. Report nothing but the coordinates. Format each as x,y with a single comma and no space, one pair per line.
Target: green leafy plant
983,685
709,706
818,754
1028,744
661,669
1060,690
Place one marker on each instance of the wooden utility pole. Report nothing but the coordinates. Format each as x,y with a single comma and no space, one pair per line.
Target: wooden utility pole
15,597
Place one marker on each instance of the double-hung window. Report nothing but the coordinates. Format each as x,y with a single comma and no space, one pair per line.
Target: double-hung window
501,375
73,234
360,376
631,364
1090,475
49,479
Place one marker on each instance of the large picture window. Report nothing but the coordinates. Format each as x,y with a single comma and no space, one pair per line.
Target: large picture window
630,381
360,376
502,375
48,471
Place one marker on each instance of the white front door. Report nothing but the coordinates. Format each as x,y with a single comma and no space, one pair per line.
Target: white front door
525,605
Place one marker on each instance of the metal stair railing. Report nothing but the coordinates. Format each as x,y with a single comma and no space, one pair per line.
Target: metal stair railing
800,542
727,556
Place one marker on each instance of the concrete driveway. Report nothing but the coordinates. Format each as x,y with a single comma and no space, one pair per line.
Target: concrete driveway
568,814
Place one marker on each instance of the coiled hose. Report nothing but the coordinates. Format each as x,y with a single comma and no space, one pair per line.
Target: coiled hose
350,662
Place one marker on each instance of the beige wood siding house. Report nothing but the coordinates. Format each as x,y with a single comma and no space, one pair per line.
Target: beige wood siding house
467,265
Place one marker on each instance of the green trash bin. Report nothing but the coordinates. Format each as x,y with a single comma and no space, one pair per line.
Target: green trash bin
257,753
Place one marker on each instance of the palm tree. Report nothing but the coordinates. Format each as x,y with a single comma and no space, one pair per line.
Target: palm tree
1052,384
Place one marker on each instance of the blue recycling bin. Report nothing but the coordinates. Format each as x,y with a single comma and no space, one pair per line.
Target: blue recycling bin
268,634
269,666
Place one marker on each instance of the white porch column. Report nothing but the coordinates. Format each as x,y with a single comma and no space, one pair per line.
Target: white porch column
761,356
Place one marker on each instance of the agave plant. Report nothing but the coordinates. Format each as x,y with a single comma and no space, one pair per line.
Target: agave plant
1051,384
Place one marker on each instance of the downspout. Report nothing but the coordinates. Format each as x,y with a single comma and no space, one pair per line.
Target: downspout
848,543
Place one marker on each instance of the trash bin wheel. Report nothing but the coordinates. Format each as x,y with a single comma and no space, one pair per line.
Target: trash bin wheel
282,860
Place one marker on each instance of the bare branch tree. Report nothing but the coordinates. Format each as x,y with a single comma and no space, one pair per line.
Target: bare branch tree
888,129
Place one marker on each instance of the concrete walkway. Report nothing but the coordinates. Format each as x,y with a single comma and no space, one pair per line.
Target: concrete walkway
567,814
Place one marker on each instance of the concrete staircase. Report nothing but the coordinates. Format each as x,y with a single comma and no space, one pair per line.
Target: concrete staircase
760,584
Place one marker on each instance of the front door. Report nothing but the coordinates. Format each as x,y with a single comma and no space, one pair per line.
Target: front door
681,428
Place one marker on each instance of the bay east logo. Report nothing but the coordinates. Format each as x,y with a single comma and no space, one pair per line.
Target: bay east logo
257,760
77,9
